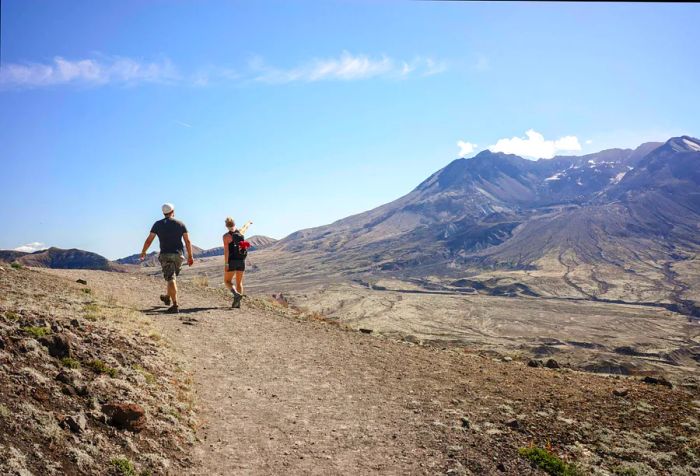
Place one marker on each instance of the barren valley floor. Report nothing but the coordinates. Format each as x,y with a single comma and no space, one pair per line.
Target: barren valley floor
278,391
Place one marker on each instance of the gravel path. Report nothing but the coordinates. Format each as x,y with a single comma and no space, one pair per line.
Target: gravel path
280,395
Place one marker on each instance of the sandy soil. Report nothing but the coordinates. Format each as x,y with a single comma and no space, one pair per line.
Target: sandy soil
279,393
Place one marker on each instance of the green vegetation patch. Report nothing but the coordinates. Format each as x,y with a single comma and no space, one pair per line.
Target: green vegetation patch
101,368
17,265
87,290
4,411
548,462
36,332
124,466
150,378
70,363
12,315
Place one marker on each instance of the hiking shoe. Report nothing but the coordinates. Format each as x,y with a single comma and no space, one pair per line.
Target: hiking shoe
173,309
236,301
165,298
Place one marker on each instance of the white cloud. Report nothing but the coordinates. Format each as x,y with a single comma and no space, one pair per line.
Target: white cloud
32,247
535,145
347,67
86,71
103,70
589,142
465,148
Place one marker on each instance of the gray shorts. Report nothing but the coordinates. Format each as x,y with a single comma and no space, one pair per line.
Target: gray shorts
171,263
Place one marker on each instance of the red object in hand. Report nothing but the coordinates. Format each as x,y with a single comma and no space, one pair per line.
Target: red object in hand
244,245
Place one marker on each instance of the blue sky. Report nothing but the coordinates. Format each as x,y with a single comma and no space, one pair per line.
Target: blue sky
295,114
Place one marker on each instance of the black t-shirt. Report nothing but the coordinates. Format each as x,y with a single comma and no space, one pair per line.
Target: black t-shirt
169,231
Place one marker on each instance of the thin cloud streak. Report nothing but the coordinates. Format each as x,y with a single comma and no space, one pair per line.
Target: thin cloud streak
104,70
86,71
347,67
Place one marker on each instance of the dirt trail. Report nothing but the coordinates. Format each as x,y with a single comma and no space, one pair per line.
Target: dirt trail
282,395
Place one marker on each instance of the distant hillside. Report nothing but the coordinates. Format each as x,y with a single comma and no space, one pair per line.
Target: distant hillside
620,225
257,242
60,259
152,257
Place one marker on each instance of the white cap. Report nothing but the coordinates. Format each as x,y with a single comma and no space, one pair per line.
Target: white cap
167,208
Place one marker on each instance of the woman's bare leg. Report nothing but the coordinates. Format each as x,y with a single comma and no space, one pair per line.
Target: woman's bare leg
239,282
228,279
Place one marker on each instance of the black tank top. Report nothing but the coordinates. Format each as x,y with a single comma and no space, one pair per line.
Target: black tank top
234,251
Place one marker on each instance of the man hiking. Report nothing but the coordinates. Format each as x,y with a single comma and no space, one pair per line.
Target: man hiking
170,233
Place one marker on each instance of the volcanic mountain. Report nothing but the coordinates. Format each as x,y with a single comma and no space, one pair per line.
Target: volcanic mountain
60,259
619,212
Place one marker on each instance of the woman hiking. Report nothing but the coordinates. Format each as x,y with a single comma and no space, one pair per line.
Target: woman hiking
235,252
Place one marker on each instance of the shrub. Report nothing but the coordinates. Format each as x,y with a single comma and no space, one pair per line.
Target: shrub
36,332
87,290
124,466
150,378
202,281
70,363
12,315
547,461
17,265
101,368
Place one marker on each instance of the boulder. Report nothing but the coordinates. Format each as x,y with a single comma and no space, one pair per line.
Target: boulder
465,422
620,392
65,377
535,363
657,381
552,364
126,416
513,424
81,281
76,423
58,345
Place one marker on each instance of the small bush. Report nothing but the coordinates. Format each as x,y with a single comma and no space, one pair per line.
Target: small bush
12,315
87,290
4,411
124,466
36,332
202,281
548,461
70,363
150,378
17,265
101,368
91,307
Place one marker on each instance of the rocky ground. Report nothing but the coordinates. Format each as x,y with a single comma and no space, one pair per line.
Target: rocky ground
87,386
282,391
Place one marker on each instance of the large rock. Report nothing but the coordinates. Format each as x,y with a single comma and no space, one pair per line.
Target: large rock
126,416
552,364
59,345
657,381
76,423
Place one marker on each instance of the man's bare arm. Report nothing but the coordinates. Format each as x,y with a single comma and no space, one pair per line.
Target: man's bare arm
245,227
188,245
147,244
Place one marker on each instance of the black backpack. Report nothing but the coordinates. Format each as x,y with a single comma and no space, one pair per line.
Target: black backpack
234,249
